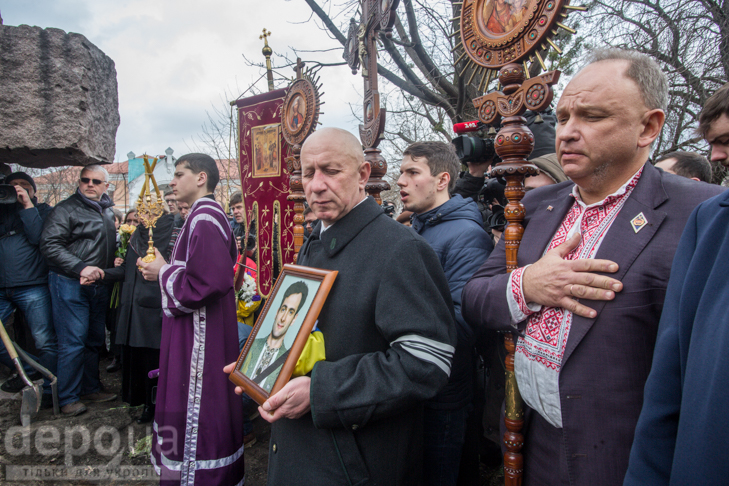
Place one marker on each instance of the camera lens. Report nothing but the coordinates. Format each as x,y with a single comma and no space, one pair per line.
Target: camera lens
468,149
8,194
472,149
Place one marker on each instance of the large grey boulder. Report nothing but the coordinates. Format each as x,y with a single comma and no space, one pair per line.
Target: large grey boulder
58,99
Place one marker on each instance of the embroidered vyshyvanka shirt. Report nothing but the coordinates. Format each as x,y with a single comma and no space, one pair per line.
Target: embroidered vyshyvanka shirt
539,353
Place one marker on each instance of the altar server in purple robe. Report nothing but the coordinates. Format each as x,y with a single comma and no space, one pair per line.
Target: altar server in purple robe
198,426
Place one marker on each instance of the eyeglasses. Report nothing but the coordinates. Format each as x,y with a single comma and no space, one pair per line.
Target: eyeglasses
96,182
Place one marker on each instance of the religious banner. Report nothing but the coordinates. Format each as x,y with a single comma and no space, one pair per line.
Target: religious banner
265,184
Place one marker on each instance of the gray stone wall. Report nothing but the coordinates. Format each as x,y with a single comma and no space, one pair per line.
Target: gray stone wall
58,99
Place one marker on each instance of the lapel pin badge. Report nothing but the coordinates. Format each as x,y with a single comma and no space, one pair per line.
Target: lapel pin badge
638,222
549,208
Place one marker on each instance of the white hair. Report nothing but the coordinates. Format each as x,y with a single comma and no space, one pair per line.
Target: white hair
95,168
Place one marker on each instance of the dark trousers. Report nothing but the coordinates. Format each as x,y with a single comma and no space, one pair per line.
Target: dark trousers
34,301
444,434
137,386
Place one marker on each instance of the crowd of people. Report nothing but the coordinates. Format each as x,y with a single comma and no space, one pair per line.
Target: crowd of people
617,303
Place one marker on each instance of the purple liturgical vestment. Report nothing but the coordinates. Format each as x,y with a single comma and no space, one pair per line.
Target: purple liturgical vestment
198,426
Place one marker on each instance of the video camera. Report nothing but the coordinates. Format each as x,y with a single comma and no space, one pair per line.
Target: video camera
478,148
8,194
493,190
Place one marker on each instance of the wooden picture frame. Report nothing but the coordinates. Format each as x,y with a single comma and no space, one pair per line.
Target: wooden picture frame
293,307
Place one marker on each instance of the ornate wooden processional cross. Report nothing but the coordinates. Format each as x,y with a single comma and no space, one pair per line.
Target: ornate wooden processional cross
505,37
361,51
300,115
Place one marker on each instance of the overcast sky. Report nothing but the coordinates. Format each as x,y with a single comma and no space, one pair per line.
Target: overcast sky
176,59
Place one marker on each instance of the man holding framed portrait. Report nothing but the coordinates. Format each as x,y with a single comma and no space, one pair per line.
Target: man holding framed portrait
389,334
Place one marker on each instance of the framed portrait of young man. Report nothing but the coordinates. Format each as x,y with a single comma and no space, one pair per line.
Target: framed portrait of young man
279,336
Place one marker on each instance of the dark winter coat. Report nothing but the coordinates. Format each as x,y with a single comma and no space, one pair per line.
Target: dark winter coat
454,231
20,236
140,308
76,235
387,318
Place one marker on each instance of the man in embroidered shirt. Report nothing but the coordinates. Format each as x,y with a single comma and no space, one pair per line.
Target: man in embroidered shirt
593,266
198,423
270,351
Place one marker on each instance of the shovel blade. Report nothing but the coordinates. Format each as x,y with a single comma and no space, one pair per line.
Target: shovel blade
30,405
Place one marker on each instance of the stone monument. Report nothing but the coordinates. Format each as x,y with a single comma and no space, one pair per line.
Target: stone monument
58,102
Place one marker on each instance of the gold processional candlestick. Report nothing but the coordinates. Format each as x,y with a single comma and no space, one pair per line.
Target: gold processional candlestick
148,211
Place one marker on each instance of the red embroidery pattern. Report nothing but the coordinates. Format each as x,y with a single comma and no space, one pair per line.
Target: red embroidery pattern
547,330
517,291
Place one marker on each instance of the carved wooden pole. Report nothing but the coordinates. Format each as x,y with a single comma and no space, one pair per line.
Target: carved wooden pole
302,99
378,16
514,142
510,51
296,189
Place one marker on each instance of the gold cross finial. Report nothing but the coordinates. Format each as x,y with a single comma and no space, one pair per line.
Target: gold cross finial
265,36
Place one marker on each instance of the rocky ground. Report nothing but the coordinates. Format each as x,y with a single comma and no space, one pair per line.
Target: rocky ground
103,445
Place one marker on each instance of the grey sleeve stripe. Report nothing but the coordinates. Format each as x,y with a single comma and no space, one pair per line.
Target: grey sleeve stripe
447,348
429,358
427,349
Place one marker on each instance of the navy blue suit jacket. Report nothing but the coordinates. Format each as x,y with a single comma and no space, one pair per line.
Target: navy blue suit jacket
683,428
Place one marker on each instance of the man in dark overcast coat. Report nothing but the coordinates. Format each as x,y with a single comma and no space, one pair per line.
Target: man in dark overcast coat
388,329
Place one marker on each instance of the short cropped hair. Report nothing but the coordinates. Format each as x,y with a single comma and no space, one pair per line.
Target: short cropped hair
715,106
440,157
689,164
95,168
202,163
643,70
307,210
236,198
297,288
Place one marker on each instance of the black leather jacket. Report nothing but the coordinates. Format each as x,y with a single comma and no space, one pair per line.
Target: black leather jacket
75,236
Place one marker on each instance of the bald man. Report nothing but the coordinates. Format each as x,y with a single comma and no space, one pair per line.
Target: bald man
389,330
